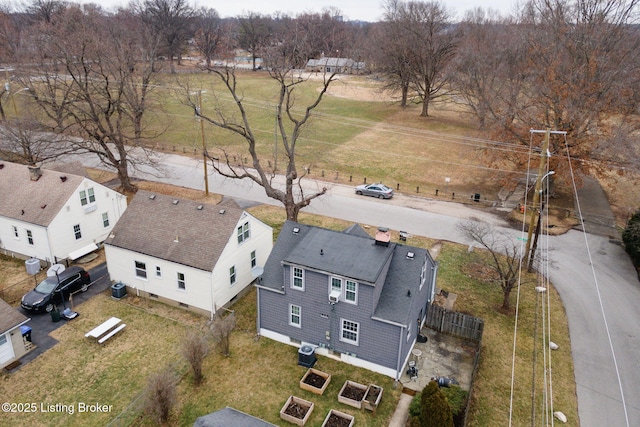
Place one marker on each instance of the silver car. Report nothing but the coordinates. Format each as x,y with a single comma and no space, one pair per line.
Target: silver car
380,191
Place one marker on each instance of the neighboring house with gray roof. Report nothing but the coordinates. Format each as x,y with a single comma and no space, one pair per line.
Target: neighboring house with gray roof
335,65
198,256
12,343
359,299
52,215
229,417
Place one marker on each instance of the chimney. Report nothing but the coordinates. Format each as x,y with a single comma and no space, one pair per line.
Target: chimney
35,173
383,236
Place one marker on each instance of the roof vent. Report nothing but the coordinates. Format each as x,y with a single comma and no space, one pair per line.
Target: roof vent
152,197
296,230
410,255
383,236
175,202
43,206
222,211
199,207
63,178
1,165
176,240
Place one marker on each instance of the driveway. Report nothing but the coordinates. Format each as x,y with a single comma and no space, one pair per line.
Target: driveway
41,324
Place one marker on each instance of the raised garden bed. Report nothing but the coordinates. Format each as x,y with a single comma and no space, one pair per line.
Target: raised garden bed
352,394
296,410
372,397
315,381
338,419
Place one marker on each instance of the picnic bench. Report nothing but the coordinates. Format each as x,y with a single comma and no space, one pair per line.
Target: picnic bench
106,330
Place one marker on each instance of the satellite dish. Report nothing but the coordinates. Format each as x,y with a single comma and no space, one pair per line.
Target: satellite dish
55,269
257,271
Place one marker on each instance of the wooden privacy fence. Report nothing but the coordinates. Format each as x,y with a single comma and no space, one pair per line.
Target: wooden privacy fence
453,323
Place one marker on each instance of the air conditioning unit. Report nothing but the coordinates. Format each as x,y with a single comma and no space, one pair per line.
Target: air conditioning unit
334,297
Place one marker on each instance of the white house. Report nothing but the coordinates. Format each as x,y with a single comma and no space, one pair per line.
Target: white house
198,256
52,215
12,344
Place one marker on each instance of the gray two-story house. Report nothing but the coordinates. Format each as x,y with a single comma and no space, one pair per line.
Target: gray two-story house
353,297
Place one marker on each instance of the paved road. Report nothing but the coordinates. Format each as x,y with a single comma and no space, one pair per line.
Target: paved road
613,281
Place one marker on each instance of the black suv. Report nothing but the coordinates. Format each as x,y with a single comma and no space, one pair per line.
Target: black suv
50,292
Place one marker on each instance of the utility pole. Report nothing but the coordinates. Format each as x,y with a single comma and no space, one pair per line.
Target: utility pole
204,147
544,154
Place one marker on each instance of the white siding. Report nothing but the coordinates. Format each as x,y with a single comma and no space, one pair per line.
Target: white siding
20,246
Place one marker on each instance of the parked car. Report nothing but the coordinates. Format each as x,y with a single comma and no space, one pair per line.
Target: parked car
380,191
50,292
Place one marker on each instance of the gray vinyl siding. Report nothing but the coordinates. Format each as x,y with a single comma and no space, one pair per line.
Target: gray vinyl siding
377,341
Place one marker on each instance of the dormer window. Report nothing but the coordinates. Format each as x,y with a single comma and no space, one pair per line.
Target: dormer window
244,232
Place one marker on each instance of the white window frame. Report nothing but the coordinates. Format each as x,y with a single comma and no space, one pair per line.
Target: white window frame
293,316
349,327
158,272
300,278
141,269
16,234
182,281
77,231
243,232
30,237
423,274
347,282
252,257
87,197
233,276
105,219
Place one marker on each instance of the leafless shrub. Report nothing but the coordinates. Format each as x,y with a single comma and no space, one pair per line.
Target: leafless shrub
221,329
161,395
195,348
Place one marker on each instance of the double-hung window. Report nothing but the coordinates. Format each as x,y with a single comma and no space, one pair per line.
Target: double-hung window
232,275
349,331
297,281
77,232
105,219
87,196
295,315
30,237
141,270
351,291
336,284
253,259
243,232
182,284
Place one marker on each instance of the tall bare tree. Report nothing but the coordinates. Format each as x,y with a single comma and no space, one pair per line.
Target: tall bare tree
291,121
255,32
97,89
209,33
171,21
429,43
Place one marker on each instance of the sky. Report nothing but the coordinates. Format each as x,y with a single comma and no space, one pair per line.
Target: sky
364,10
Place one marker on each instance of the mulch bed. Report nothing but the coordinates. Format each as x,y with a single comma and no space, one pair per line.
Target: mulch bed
354,393
296,410
314,380
337,421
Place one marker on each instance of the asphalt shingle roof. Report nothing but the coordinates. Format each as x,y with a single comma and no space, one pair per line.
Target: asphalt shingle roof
186,232
229,417
10,317
36,202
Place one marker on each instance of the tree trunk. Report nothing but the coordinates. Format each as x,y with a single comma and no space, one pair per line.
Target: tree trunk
505,299
405,95
425,107
125,181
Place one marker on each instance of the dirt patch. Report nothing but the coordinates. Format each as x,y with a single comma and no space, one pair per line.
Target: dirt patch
336,420
314,380
296,410
353,393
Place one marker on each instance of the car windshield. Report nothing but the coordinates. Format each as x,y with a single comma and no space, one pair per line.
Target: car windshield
47,285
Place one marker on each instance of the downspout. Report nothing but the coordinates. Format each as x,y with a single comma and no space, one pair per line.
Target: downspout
398,367
258,311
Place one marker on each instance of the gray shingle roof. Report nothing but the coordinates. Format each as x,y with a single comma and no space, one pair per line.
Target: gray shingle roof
179,232
35,202
229,417
353,255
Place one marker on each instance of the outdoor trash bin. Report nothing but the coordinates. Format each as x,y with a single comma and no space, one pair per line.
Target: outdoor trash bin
26,332
55,315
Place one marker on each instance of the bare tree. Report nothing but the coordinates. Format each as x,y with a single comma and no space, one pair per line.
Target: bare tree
502,254
97,89
429,42
26,141
209,33
290,122
254,34
221,329
171,21
161,395
195,349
